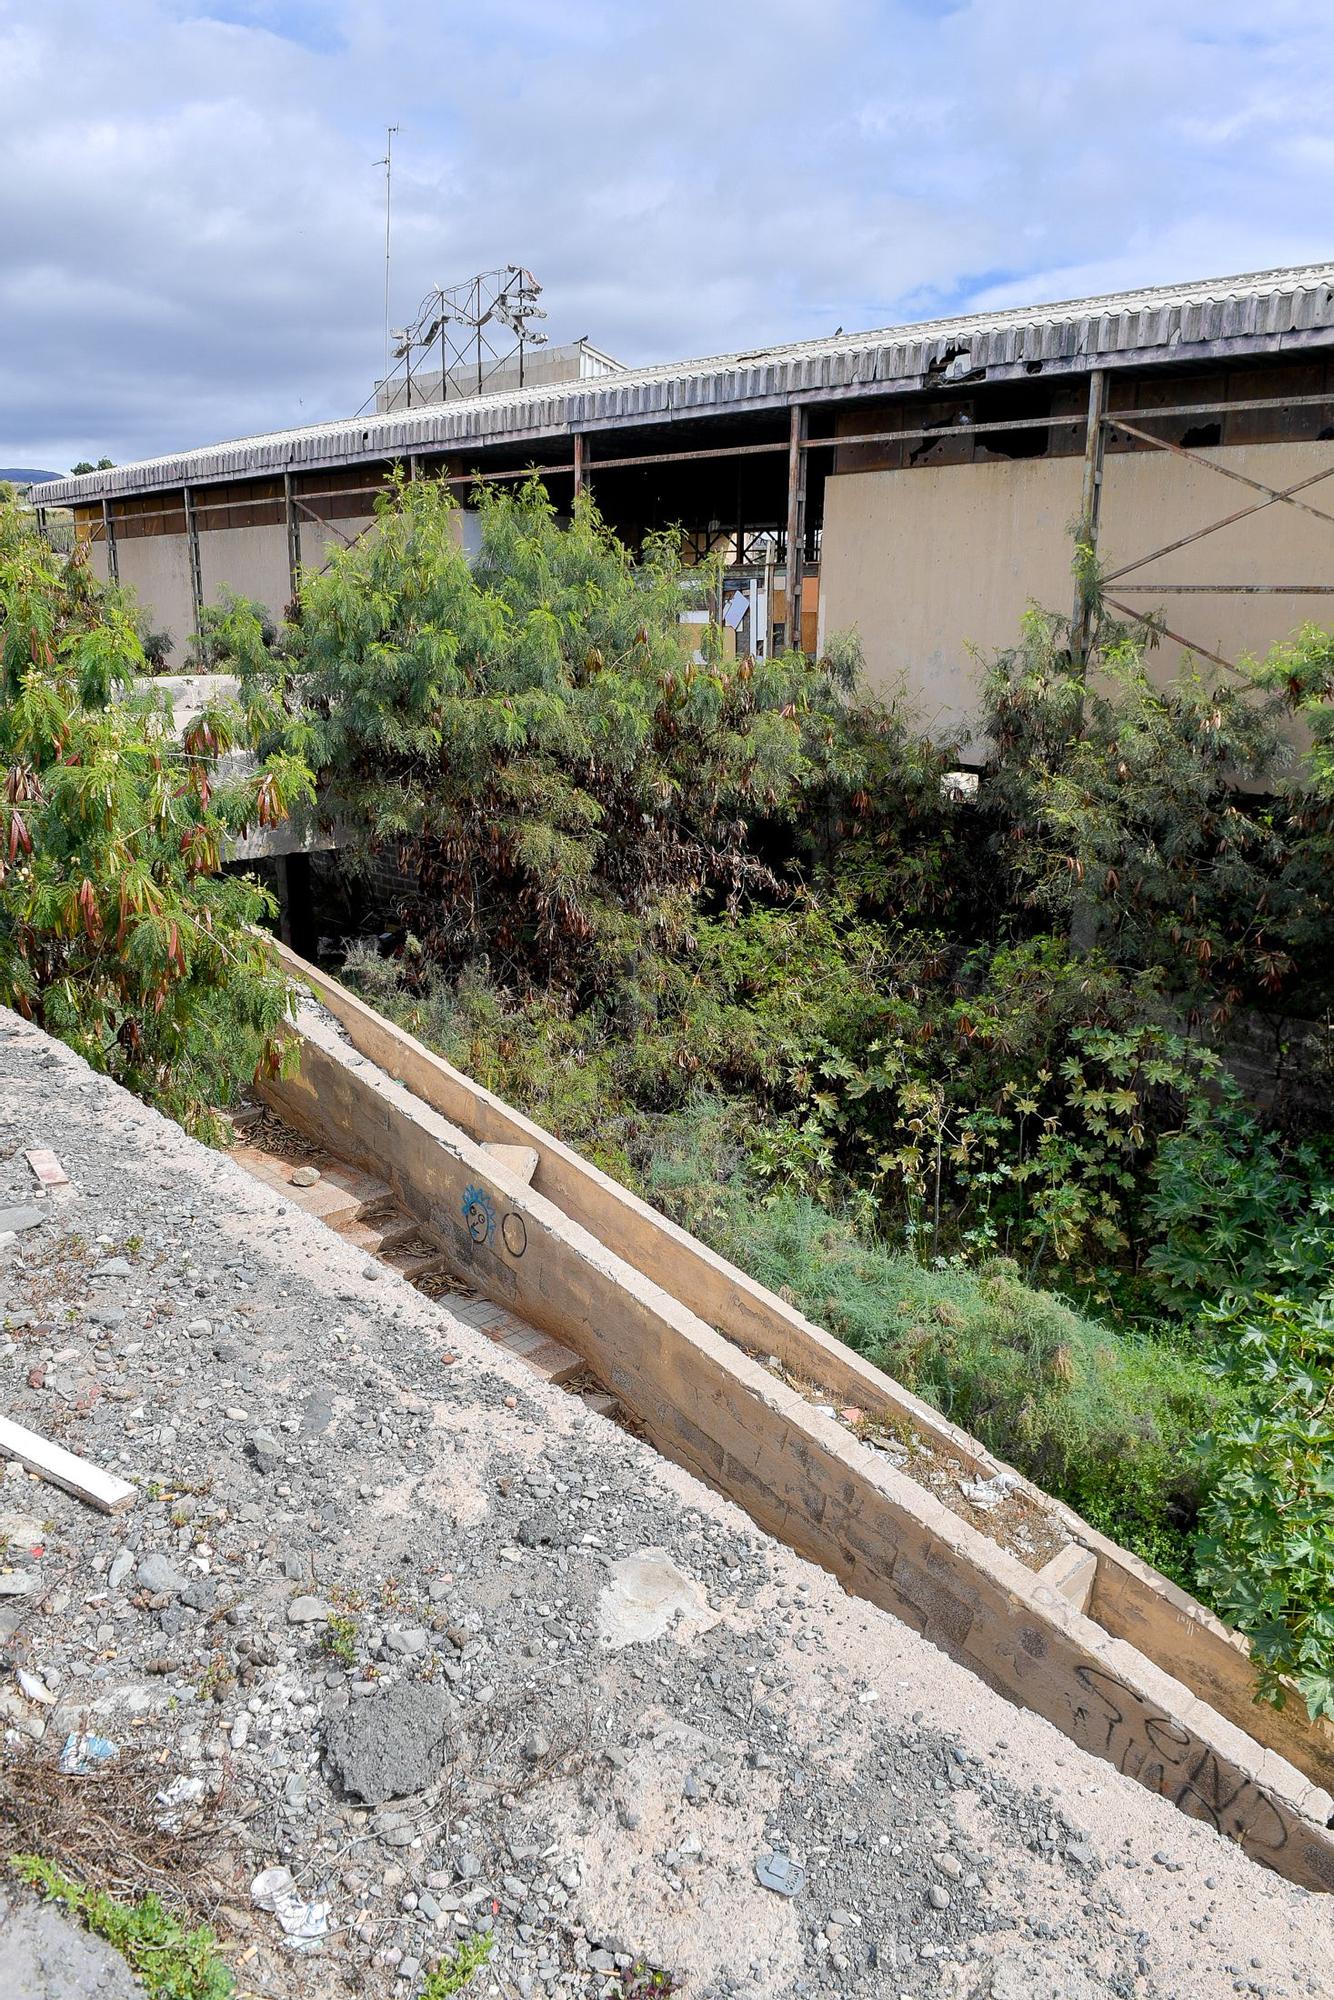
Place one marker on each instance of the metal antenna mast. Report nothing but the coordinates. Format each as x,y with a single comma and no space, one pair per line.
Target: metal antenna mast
388,164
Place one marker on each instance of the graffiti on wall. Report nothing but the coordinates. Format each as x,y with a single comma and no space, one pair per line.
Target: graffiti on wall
479,1214
1116,1722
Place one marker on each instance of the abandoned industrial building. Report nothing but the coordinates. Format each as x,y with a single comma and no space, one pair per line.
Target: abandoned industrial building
478,1410
917,485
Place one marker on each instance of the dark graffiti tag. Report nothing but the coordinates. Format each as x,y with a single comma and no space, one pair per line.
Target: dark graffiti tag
479,1213
1117,1723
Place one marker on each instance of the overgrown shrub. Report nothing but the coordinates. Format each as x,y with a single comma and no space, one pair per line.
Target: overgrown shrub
1267,1551
118,931
1231,1207
1142,813
531,734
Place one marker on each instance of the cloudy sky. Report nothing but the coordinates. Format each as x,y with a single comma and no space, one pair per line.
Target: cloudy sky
191,218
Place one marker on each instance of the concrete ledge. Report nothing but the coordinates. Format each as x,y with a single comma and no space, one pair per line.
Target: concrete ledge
800,1475
1129,1598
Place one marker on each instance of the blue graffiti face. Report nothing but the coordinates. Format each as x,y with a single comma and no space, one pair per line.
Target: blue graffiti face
479,1213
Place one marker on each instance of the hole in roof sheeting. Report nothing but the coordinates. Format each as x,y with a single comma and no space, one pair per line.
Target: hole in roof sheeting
1032,368
946,364
1202,434
956,419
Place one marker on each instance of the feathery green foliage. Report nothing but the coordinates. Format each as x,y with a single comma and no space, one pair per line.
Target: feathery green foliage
118,932
530,734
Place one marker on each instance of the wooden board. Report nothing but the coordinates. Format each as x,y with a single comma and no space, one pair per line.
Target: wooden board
102,1490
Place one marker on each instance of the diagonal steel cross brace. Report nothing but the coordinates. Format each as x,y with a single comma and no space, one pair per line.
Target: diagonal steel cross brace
1271,493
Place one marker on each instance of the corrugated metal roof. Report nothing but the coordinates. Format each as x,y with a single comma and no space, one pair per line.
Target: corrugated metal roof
1251,314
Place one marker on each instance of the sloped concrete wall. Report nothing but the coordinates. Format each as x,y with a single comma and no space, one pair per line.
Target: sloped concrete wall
801,1476
1160,1619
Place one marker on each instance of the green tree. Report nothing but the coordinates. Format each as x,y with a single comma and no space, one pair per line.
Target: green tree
118,931
530,735
1142,813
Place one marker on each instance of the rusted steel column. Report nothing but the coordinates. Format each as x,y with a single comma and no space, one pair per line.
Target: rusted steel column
578,463
1090,507
796,521
192,556
109,535
293,527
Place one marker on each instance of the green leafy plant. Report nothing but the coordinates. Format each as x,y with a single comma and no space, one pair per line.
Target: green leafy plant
643,1979
172,1962
1139,810
458,1966
118,931
1232,1205
1267,1547
340,1637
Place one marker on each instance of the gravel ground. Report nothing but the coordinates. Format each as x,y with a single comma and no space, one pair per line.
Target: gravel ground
461,1657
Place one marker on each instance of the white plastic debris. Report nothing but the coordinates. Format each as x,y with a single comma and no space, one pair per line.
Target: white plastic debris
182,1791
34,1686
304,1923
84,1754
986,1493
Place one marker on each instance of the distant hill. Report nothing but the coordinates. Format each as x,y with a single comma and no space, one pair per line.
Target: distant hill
27,475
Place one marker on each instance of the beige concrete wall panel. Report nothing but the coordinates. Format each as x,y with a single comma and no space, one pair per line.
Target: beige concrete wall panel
926,564
250,561
320,539
1153,497
157,568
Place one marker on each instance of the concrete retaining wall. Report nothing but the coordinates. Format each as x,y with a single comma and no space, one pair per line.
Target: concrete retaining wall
1134,1600
800,1475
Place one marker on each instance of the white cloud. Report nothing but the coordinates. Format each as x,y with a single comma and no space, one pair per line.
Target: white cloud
191,221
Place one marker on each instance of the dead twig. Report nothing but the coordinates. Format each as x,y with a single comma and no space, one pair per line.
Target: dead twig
107,1830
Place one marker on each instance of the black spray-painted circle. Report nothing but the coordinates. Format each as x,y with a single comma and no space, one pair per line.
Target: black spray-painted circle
514,1233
